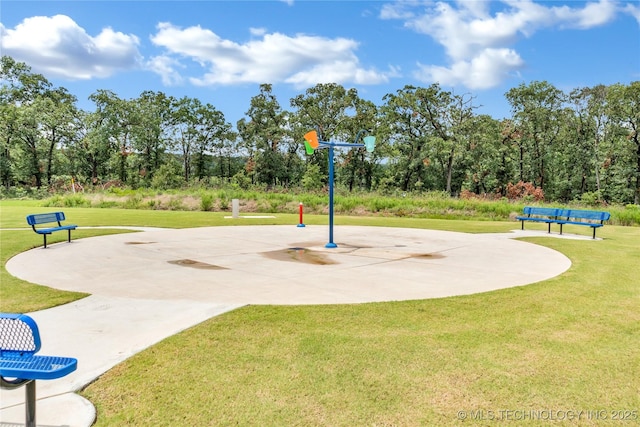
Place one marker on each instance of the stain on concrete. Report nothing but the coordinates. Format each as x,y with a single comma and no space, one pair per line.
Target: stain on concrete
196,264
300,254
427,256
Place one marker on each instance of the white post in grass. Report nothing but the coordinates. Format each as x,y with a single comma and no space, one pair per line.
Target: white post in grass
235,208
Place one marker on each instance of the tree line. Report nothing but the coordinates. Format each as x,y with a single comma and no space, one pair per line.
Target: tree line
564,146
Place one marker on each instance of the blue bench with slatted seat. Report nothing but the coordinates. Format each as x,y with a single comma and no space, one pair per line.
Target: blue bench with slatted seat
537,214
50,218
593,219
589,218
19,363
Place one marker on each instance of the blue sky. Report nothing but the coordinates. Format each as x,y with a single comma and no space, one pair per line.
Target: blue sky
221,51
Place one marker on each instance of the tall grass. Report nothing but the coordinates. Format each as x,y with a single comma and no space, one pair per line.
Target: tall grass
427,205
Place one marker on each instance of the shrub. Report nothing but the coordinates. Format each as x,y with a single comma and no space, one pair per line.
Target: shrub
591,198
167,176
133,202
224,202
466,195
106,204
76,201
69,201
176,204
55,201
524,191
241,180
206,202
20,192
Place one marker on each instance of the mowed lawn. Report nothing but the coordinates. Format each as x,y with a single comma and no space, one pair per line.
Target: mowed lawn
565,351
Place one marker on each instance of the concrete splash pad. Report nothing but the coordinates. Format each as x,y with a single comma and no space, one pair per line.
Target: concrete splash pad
289,265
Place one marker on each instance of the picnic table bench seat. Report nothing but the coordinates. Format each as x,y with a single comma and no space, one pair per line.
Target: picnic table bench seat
50,218
19,363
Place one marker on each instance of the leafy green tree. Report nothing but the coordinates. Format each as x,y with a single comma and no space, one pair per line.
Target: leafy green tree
215,138
196,129
537,114
510,157
151,113
8,136
313,178
450,117
266,136
589,127
183,130
511,143
22,152
429,128
37,121
90,150
326,108
58,122
116,118
27,151
168,175
485,160
582,145
624,107
407,131
360,167
20,85
230,161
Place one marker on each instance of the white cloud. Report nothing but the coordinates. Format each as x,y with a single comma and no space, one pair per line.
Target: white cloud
274,57
399,10
634,11
166,66
338,71
591,15
57,47
464,33
478,8
258,31
478,43
486,70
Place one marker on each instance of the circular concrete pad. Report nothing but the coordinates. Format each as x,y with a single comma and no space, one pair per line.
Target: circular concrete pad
289,264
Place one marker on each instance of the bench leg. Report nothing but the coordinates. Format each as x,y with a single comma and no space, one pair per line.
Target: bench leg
594,232
45,240
548,228
522,228
30,404
69,239
560,228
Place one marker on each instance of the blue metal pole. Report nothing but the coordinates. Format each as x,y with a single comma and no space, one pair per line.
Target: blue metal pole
330,244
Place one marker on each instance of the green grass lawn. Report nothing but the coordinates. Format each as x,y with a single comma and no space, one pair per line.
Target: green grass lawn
571,343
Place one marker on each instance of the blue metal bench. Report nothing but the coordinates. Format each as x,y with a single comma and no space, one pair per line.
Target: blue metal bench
19,364
546,215
49,218
593,219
